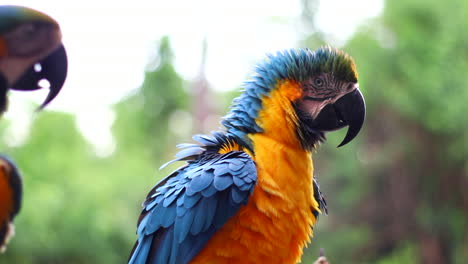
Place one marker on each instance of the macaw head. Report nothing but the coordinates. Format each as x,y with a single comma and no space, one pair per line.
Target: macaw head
31,51
314,91
330,97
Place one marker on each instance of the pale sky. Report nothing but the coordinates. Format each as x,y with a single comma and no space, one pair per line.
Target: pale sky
109,44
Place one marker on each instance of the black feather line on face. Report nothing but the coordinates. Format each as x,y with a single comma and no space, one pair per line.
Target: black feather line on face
308,136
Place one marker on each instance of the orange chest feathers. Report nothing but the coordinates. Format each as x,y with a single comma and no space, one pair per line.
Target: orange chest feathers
276,224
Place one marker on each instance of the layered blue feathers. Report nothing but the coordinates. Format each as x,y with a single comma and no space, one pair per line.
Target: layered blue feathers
184,210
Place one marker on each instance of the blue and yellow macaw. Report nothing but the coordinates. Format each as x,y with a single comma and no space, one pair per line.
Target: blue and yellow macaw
31,50
248,195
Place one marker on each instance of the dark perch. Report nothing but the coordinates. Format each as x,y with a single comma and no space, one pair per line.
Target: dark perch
322,259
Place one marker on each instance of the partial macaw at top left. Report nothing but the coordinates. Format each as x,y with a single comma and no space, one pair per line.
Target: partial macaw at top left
31,50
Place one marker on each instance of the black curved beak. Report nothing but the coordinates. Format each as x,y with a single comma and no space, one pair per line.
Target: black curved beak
349,110
52,68
353,112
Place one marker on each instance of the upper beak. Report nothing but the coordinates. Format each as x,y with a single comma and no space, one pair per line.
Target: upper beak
53,68
353,112
349,110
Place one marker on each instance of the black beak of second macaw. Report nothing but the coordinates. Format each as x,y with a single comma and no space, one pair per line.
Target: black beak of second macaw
349,110
52,68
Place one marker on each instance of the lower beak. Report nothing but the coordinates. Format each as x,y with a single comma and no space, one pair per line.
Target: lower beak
53,68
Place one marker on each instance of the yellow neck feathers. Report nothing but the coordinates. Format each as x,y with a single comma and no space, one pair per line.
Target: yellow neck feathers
277,117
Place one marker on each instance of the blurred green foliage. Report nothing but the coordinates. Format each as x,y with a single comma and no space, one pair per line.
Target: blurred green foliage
143,117
397,194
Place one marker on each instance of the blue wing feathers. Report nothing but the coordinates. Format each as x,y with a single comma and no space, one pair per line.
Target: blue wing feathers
141,251
182,227
210,191
151,204
235,167
142,225
169,192
238,181
183,211
201,182
221,183
199,219
180,211
205,140
244,187
180,201
191,200
211,203
168,218
187,145
154,222
221,170
189,152
168,200
238,195
223,211
164,247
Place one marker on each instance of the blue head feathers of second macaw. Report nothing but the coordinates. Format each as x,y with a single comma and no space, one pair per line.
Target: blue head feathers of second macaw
329,95
31,50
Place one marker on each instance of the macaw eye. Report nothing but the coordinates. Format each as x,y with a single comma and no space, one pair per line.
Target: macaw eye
318,82
27,30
